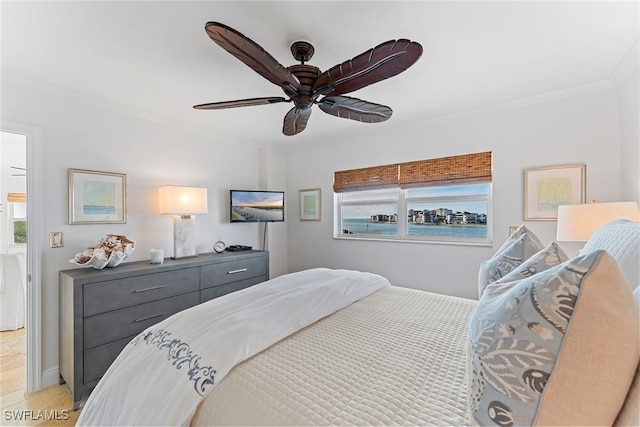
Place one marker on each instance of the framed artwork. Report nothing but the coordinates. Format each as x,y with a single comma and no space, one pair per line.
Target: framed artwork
97,197
310,205
547,188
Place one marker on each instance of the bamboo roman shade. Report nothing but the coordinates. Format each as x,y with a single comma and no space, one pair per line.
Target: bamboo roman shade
366,178
467,168
16,197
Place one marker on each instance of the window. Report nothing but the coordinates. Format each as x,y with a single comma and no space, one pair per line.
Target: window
17,218
369,213
20,232
436,200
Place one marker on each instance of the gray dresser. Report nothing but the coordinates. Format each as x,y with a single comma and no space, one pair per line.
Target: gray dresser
102,310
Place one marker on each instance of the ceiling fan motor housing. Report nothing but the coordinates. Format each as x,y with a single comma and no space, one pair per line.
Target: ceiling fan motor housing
307,76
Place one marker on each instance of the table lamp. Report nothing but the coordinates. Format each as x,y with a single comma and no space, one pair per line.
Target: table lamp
183,203
576,223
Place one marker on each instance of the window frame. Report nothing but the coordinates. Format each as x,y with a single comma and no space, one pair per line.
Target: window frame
402,203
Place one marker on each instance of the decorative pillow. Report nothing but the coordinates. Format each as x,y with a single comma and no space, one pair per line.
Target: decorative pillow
548,257
501,264
621,239
508,258
532,245
558,348
630,413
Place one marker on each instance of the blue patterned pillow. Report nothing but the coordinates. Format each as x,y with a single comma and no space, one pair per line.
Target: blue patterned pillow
548,257
521,245
532,245
557,348
502,263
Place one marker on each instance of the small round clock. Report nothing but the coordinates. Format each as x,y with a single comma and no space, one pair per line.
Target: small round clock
219,246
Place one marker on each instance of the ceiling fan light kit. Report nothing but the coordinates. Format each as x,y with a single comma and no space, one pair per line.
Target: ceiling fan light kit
305,85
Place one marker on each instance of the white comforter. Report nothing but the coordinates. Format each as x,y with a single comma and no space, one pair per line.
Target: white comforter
395,358
164,373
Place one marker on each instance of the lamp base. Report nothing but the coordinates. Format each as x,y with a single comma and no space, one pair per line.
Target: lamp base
184,239
183,257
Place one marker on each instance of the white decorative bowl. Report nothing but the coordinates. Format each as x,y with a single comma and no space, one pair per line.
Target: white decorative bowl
98,259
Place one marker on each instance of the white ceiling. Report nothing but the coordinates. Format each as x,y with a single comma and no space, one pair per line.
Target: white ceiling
155,58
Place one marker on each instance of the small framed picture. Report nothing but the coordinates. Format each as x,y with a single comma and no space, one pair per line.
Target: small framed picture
97,197
547,188
310,205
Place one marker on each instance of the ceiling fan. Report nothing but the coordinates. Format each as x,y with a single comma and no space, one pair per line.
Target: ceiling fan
305,85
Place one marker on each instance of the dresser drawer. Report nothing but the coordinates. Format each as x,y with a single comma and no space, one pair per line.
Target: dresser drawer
114,325
97,360
217,291
101,297
232,271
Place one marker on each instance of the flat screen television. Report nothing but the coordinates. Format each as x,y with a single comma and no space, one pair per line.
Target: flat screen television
256,206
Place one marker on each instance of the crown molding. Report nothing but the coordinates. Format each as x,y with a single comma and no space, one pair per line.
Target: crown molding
627,65
83,97
523,102
624,68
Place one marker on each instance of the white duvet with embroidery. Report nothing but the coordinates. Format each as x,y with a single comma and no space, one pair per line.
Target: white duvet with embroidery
162,375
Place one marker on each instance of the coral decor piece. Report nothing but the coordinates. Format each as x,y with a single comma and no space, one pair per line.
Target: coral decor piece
110,251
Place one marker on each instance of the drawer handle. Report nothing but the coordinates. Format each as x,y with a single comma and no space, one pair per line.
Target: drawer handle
149,289
150,317
237,271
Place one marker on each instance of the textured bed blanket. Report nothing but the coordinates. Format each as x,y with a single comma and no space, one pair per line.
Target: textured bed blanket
162,375
396,357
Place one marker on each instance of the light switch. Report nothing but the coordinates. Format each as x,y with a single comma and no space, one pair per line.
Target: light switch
56,239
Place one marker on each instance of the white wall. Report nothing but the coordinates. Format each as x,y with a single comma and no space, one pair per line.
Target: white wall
628,100
273,176
83,133
577,129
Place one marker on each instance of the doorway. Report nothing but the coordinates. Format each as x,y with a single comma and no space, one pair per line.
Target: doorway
13,271
25,166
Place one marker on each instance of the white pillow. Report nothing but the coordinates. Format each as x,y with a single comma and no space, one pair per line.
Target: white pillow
621,239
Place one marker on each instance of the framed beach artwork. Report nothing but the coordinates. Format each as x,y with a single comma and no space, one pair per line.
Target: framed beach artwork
310,205
547,188
97,197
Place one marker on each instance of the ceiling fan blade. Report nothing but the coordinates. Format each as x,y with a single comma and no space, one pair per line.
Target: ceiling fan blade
296,120
379,63
249,52
347,107
240,103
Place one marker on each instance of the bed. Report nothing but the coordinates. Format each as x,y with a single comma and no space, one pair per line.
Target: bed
340,347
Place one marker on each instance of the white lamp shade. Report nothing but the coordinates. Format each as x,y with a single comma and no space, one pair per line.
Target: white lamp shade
182,200
576,223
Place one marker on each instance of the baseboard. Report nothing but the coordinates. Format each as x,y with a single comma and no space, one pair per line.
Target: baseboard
50,377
